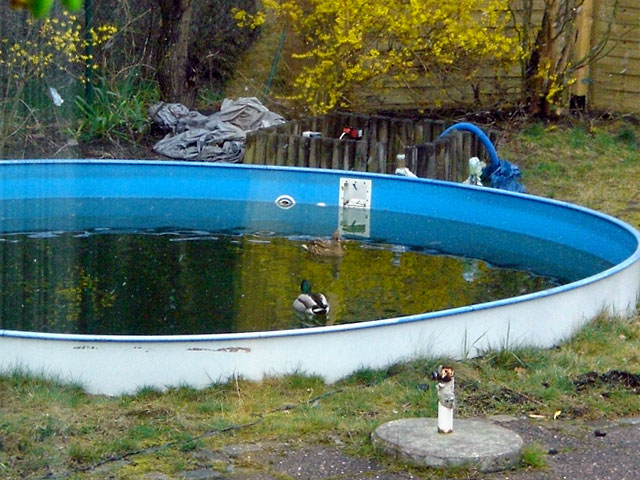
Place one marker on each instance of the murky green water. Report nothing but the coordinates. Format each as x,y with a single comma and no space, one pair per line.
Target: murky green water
189,282
167,266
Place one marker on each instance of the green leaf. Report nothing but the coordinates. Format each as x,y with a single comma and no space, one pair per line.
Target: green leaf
40,8
72,4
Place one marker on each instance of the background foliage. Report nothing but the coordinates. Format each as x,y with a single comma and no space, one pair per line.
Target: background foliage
362,44
111,47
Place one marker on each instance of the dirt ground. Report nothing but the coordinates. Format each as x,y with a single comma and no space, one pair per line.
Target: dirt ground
595,451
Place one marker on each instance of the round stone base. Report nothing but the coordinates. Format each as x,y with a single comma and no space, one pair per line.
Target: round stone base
476,443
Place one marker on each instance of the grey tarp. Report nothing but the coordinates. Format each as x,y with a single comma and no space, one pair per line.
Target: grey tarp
217,137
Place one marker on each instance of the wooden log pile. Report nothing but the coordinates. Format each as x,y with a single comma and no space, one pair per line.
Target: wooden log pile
384,144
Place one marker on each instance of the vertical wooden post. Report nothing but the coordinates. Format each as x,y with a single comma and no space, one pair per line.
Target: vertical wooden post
583,45
292,152
411,158
456,157
442,158
377,161
360,163
348,159
315,151
261,148
282,145
271,150
427,130
466,147
337,153
438,126
316,124
303,151
250,148
426,161
418,133
326,150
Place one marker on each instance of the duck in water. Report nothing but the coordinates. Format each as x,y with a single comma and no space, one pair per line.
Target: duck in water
326,248
310,304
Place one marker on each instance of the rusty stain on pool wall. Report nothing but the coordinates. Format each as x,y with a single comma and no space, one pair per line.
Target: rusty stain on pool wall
226,349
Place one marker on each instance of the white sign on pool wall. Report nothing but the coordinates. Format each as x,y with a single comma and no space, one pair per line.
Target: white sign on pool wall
354,207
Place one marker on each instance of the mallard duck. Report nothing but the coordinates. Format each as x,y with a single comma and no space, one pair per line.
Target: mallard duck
326,248
310,304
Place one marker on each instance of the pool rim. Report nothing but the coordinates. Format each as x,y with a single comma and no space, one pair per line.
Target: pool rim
626,263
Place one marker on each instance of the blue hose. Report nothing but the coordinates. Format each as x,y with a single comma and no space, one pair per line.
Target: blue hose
500,173
470,127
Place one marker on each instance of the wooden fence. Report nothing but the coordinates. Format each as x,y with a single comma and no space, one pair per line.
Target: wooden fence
380,149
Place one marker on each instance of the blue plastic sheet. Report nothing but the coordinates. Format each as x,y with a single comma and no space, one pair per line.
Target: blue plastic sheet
503,176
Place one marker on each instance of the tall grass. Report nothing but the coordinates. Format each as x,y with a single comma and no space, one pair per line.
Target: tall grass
117,112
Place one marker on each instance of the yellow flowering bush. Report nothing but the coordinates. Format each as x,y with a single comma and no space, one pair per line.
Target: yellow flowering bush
351,44
53,43
36,54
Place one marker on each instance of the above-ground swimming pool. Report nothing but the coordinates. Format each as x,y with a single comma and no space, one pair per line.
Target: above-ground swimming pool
90,195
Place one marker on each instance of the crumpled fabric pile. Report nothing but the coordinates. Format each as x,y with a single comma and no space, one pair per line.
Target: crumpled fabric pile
219,137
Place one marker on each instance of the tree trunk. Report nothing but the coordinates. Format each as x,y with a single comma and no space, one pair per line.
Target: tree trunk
539,64
546,72
176,76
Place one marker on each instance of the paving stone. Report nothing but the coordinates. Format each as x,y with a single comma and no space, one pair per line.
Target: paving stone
474,443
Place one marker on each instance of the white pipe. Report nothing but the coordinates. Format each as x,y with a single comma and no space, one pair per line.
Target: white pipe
446,398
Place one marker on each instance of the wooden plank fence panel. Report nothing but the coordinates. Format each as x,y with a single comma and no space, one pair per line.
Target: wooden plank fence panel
427,125
384,138
372,130
329,126
317,124
408,135
397,142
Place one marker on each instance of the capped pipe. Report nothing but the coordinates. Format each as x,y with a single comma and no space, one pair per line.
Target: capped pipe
446,398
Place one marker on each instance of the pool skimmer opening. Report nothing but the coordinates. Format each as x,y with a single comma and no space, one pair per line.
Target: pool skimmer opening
285,202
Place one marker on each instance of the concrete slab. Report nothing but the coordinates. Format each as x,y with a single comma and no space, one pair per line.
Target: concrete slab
476,443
